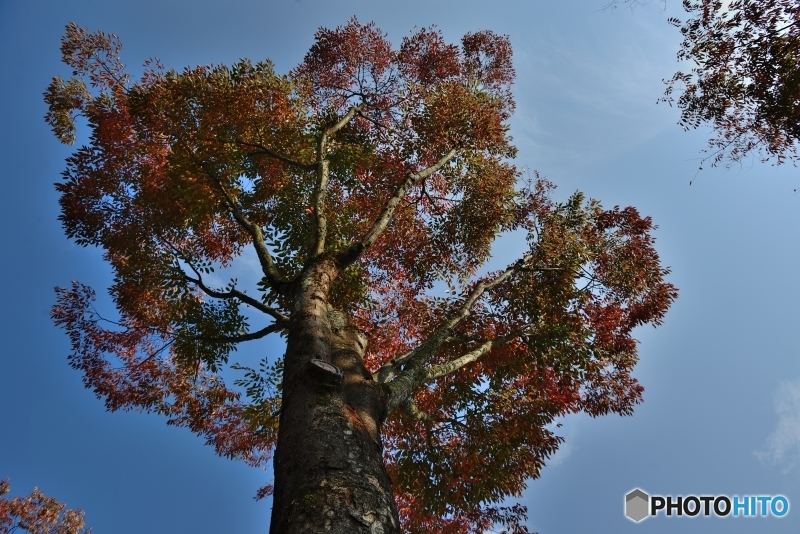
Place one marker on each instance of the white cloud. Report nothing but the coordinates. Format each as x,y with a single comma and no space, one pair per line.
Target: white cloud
564,451
567,427
782,447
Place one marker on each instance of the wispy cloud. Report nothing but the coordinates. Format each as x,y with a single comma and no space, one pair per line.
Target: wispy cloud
566,427
564,451
590,98
782,448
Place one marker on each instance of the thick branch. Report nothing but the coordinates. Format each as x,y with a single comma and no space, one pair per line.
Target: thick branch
413,375
321,187
351,253
342,123
414,411
454,365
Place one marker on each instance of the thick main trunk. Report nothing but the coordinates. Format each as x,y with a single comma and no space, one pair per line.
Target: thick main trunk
329,472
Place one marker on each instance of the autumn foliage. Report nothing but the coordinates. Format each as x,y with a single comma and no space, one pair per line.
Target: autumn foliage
392,168
37,514
744,79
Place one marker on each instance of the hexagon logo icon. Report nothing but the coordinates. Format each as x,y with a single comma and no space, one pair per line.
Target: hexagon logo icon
637,504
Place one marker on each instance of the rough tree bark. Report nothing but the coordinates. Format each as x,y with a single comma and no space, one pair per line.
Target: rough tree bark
329,472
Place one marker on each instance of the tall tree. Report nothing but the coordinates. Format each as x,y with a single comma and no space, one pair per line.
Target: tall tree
744,80
417,390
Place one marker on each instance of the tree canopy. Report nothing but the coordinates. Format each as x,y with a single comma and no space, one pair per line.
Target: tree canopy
744,79
37,514
369,184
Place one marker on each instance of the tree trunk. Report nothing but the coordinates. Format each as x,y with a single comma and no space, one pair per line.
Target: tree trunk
329,472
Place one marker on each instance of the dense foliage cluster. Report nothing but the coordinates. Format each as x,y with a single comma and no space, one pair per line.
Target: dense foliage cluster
37,514
744,80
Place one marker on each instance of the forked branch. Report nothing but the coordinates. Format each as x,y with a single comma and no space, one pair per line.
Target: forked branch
321,186
433,343
351,253
419,415
413,374
402,387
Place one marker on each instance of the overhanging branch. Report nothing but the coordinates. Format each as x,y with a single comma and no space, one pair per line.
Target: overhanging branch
262,150
258,334
281,319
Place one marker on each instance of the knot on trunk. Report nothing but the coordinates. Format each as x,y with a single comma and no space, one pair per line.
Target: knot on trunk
324,375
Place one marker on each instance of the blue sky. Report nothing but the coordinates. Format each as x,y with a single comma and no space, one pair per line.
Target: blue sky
722,376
